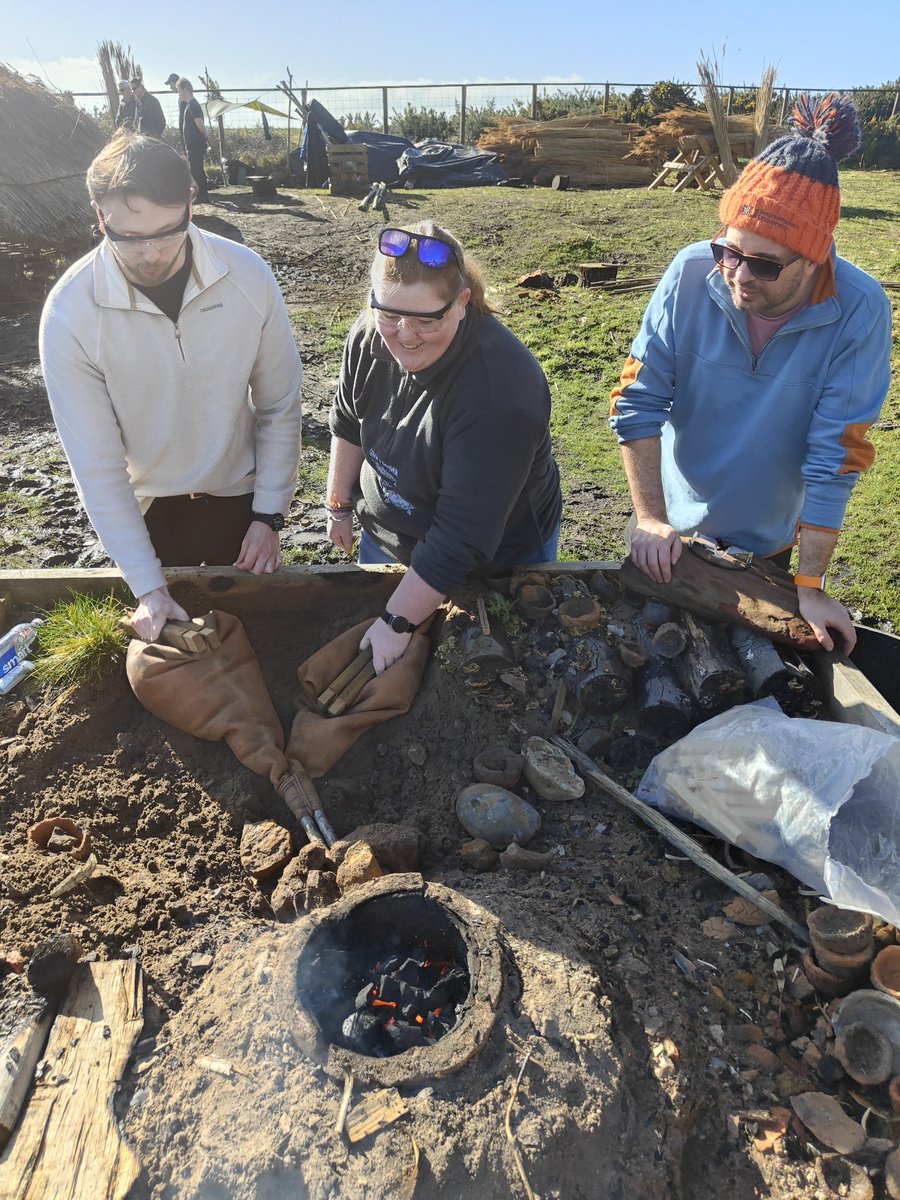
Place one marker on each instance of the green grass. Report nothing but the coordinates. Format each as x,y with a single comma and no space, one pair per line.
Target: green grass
81,641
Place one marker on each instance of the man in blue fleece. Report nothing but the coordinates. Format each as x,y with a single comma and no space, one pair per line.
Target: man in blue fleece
761,361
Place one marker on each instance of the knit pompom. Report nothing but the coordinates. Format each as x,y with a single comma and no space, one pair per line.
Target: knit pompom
832,123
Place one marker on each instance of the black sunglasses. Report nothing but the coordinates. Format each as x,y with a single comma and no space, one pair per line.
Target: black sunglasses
431,251
134,238
394,314
762,268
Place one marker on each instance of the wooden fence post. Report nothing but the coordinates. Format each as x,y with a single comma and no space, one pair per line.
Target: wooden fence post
730,101
385,123
534,88
606,97
784,100
462,114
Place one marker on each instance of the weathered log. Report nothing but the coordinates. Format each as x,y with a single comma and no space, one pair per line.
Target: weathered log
708,668
782,675
69,1117
762,597
599,680
669,640
23,1032
664,708
482,657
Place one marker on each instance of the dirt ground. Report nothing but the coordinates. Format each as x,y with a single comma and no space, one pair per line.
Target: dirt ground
635,1022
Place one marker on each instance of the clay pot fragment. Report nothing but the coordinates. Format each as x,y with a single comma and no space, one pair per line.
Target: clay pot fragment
500,765
514,858
535,601
875,1009
865,1054
886,971
41,833
894,1094
823,981
844,966
840,1177
580,615
840,930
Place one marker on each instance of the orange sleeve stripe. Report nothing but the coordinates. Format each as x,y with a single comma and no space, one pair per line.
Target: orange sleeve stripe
630,373
860,453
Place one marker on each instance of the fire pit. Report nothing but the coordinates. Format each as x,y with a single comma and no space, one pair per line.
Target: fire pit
397,982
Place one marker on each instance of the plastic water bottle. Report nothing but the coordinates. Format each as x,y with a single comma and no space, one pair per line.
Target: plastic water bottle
14,648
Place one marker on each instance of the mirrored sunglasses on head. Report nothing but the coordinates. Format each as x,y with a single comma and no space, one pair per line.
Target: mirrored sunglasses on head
431,251
761,268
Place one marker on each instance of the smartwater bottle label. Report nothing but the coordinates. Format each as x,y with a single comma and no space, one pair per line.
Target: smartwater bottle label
9,661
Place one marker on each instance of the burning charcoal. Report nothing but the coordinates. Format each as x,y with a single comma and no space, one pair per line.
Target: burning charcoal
408,972
388,988
405,1037
388,964
419,956
410,1011
365,996
362,1031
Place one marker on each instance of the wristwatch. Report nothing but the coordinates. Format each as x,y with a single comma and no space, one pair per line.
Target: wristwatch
810,581
273,520
397,623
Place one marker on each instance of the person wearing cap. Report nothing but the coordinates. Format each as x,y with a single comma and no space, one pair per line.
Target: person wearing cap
761,361
440,435
126,111
172,85
193,134
148,116
174,382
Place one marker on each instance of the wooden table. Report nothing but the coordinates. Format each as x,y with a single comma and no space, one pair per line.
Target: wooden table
697,161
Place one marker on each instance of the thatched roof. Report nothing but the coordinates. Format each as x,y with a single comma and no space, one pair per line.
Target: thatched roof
48,145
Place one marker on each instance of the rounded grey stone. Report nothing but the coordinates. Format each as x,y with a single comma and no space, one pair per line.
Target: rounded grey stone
497,815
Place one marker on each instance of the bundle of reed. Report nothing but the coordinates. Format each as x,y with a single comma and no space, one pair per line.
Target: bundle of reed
710,85
657,143
763,109
588,149
48,145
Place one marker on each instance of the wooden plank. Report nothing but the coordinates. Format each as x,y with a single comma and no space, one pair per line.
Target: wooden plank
851,697
20,1049
67,1145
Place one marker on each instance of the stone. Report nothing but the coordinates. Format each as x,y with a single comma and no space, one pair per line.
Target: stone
757,1055
321,889
312,857
496,815
417,754
595,743
359,866
288,898
398,848
828,1123
478,855
265,848
550,772
514,858
201,962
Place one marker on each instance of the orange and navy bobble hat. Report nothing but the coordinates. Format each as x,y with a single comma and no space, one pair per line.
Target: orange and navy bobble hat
789,193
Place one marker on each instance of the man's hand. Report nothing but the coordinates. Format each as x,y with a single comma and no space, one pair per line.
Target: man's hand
655,548
260,550
823,612
153,610
387,646
340,531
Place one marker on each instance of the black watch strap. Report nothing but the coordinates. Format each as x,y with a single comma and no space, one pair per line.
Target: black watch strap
273,520
397,623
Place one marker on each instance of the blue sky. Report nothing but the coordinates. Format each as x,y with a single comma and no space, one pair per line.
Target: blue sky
249,45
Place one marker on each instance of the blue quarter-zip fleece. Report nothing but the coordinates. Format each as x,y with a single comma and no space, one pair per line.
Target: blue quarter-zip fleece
751,446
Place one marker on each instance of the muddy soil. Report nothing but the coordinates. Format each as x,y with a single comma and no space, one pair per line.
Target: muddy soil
634,1021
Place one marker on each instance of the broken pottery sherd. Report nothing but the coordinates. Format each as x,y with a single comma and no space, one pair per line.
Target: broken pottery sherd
875,1009
580,615
500,765
840,1177
865,1054
886,971
604,586
632,655
497,815
535,601
839,929
845,966
359,866
550,772
478,854
514,858
822,980
828,1123
669,639
265,848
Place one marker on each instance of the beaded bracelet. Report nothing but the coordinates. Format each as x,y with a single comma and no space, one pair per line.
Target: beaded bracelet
335,506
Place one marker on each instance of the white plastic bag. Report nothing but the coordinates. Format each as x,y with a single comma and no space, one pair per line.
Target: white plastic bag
819,798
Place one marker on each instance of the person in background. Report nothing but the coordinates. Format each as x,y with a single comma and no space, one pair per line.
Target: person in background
172,85
174,381
149,117
193,135
440,434
126,111
761,361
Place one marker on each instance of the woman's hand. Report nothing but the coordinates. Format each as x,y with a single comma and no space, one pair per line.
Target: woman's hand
387,646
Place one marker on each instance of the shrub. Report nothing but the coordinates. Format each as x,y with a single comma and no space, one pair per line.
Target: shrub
420,123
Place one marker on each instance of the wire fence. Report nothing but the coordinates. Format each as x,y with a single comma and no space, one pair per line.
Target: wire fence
380,106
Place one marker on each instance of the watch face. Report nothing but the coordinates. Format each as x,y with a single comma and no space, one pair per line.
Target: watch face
397,623
278,522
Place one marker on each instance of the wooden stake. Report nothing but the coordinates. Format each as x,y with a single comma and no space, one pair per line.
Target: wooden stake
345,1103
687,845
483,617
510,1136
340,681
69,1118
349,693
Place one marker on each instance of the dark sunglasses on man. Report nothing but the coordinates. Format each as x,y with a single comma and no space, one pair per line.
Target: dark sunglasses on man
431,251
766,269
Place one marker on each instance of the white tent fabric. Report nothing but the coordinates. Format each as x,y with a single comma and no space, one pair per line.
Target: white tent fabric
214,108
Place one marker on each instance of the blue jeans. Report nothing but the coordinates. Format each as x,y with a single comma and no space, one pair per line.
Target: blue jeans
371,555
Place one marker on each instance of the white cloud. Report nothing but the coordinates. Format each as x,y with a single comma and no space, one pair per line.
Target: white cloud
66,74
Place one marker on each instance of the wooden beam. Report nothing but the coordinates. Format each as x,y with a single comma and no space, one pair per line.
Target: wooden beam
20,1049
67,1145
850,696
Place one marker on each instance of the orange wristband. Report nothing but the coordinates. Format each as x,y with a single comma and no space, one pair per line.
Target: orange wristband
810,581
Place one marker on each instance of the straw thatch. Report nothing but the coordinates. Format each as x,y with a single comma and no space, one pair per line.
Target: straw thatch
761,116
48,145
660,141
708,72
589,149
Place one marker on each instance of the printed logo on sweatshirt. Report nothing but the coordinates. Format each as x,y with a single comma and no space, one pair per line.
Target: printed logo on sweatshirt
387,484
210,307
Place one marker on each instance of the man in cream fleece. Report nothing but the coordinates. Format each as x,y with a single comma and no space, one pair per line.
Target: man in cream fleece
174,381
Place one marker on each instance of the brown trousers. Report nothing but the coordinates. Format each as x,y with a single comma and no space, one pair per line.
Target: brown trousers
187,531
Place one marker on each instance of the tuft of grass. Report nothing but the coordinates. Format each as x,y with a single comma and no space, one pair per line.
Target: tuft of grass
81,641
